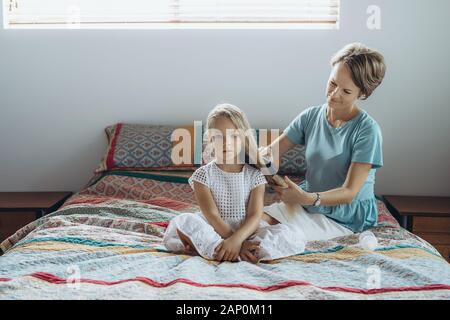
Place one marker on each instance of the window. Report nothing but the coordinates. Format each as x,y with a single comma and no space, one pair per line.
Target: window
171,13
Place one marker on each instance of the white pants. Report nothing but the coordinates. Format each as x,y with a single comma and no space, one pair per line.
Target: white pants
287,238
275,241
310,226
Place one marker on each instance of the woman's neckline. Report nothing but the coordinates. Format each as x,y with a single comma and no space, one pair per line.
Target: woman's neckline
361,111
215,163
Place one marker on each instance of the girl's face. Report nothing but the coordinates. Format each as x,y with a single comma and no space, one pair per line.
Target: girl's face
226,141
342,92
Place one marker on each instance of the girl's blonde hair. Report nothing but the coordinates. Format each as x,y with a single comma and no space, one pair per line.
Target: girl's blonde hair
240,121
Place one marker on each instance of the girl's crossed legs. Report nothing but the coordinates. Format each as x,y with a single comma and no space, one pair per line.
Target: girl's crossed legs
273,240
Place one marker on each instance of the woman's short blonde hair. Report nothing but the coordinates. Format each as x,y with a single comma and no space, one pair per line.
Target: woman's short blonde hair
366,65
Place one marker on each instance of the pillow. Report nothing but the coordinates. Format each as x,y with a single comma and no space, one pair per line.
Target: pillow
293,162
143,147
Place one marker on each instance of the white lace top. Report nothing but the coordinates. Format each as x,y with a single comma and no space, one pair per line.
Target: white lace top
230,190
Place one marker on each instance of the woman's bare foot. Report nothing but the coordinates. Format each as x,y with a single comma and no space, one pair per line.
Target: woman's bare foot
188,246
269,219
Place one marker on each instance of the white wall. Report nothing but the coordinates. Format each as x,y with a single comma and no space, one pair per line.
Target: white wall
60,88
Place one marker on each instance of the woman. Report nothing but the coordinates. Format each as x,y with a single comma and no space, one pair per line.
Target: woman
343,150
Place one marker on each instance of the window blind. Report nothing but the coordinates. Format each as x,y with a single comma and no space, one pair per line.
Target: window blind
170,13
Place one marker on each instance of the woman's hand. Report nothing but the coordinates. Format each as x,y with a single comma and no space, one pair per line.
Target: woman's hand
293,194
228,250
275,151
265,155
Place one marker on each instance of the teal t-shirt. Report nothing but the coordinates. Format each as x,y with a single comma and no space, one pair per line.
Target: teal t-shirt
329,153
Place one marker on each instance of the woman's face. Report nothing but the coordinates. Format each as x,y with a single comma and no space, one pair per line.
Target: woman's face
342,92
226,141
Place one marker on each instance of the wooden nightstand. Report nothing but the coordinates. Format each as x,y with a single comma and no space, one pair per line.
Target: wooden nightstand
427,217
17,209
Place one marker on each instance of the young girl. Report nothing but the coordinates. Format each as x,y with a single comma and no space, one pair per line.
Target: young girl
230,194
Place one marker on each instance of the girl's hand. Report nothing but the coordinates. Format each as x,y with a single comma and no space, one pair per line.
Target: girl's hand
228,250
293,194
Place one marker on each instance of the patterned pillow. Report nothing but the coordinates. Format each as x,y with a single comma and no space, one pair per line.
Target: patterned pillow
293,162
142,147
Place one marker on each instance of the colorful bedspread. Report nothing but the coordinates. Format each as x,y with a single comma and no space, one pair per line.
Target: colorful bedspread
105,243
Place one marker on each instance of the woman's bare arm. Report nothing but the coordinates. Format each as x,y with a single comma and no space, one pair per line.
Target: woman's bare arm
274,152
210,210
282,144
356,176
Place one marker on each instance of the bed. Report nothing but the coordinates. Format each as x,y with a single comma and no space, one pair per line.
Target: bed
105,242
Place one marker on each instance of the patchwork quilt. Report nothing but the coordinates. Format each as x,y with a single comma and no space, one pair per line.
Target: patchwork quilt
105,242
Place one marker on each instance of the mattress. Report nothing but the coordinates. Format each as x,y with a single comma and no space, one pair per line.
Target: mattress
105,242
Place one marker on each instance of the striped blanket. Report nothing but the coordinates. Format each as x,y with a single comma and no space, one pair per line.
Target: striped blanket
105,242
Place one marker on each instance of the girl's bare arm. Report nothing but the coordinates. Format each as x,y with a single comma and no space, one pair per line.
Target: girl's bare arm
210,210
254,214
